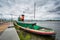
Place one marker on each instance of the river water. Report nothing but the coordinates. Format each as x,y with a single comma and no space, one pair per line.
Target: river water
55,25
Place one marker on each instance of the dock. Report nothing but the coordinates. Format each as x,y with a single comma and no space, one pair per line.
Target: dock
8,32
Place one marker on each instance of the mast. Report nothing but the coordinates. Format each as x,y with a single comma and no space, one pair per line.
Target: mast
34,9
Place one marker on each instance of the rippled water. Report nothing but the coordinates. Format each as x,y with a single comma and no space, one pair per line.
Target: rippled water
52,24
55,25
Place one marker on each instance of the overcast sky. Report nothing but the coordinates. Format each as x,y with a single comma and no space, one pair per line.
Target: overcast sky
45,9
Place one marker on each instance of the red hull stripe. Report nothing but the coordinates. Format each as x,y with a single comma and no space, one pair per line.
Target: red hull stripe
44,33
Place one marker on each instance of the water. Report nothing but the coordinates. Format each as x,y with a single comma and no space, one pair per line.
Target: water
55,25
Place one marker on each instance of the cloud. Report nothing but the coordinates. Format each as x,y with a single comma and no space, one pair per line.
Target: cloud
45,9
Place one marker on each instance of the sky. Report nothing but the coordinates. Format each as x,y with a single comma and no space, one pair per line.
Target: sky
44,9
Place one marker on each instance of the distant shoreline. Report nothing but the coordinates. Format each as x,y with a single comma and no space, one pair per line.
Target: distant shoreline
29,20
42,20
32,20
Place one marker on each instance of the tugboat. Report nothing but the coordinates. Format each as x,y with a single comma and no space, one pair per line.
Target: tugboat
33,28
